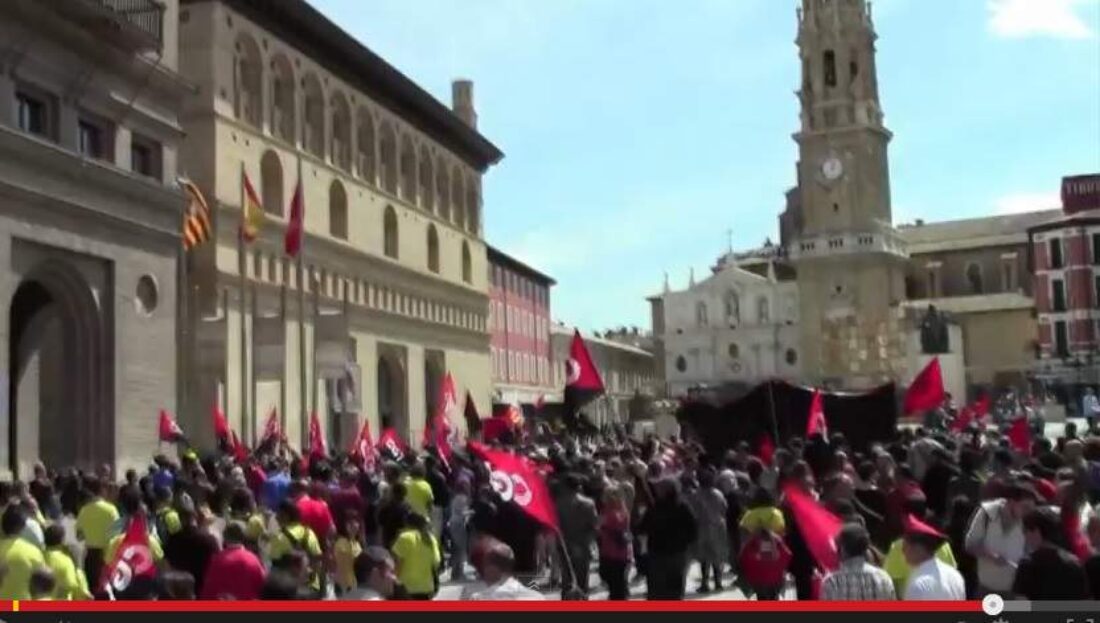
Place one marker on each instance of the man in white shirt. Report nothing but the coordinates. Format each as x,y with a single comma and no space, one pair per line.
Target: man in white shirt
996,538
496,581
931,580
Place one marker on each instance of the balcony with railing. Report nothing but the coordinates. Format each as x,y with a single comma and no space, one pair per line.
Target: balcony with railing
134,25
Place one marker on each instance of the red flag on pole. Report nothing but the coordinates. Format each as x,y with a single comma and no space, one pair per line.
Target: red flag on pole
238,449
970,414
317,446
392,444
292,241
363,448
582,379
133,563
168,430
441,432
817,525
766,449
221,425
1019,435
273,431
815,423
515,479
926,390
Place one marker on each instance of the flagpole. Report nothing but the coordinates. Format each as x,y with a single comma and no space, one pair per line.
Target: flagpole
302,311
775,420
282,320
241,278
250,434
225,374
314,377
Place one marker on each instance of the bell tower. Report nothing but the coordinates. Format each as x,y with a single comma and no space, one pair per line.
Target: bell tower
849,258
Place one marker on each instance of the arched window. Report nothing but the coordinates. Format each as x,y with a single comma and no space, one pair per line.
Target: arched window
408,169
365,162
387,154
314,116
473,207
701,314
467,263
433,249
458,203
341,132
248,101
271,183
337,211
733,307
443,190
763,310
389,233
427,177
974,278
282,99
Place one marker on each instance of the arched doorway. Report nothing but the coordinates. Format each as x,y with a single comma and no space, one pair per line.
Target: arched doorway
391,395
59,372
433,380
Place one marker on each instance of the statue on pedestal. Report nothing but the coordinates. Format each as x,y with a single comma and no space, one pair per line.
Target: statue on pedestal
933,332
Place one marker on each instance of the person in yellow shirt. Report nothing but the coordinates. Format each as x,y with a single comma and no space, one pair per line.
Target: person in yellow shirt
346,550
242,508
898,568
167,518
93,526
416,551
418,492
19,558
763,515
294,536
70,584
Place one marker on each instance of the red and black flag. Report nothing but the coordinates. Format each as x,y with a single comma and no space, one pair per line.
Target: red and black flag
168,430
391,445
132,570
516,479
582,379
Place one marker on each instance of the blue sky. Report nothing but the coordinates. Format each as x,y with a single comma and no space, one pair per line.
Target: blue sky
638,132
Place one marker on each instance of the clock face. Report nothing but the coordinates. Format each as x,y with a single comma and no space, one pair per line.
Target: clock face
832,168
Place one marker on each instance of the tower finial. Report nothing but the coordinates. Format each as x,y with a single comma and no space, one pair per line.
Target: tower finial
691,277
666,283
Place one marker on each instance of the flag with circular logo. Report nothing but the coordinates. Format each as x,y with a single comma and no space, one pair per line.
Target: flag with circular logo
517,481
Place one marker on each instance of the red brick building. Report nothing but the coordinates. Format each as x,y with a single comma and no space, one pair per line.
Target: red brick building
1065,261
519,325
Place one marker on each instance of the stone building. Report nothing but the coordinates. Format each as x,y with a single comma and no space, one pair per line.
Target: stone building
976,271
737,327
849,259
393,281
628,372
519,323
1065,259
90,217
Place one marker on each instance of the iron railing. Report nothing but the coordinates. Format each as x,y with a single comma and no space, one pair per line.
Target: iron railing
141,22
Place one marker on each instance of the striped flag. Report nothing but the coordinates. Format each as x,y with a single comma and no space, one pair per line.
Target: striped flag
252,212
197,226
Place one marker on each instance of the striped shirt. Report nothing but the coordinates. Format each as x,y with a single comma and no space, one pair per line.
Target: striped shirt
857,580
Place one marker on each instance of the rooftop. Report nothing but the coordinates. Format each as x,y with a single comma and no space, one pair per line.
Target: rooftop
1005,229
307,29
496,256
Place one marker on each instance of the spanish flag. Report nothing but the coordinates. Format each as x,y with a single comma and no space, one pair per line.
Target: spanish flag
197,226
252,212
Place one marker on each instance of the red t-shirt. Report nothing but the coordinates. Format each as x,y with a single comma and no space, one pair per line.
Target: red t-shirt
233,573
615,539
316,516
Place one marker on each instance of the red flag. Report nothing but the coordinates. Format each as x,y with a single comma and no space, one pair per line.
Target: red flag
239,450
582,379
391,443
1019,435
971,413
317,446
169,430
292,242
515,479
364,449
273,431
815,423
817,525
221,425
133,560
494,428
441,432
766,449
926,390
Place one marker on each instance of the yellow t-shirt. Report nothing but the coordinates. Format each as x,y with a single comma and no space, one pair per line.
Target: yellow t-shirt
898,568
417,561
419,496
71,583
155,549
94,522
303,537
19,559
170,519
345,551
255,528
767,518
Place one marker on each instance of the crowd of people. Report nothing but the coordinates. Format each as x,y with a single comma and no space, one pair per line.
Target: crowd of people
933,514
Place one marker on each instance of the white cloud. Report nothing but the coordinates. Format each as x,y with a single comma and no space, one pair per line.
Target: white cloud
1026,202
1061,19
